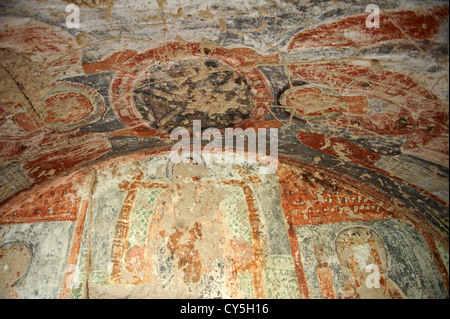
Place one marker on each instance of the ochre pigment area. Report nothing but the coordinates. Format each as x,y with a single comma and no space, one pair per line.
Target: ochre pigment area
93,203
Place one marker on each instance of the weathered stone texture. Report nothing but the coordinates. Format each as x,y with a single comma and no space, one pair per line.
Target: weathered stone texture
92,206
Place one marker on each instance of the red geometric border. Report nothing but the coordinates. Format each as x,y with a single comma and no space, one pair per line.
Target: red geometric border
244,60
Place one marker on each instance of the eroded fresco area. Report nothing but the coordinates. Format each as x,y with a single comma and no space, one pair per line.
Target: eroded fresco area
90,207
196,234
143,227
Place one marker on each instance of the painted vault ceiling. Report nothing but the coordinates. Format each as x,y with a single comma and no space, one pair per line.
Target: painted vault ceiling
85,120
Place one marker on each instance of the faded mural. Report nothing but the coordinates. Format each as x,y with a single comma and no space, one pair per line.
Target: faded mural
91,205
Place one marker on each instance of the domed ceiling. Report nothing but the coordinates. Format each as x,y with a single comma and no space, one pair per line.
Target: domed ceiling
91,205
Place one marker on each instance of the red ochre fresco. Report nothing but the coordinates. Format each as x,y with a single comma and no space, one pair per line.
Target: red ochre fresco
347,151
54,201
60,156
396,88
81,107
422,116
324,272
311,102
113,62
394,26
63,200
339,148
310,197
54,49
34,134
239,59
56,155
137,260
67,108
315,199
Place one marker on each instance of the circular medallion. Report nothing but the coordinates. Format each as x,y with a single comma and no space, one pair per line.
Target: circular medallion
172,85
15,261
311,103
70,105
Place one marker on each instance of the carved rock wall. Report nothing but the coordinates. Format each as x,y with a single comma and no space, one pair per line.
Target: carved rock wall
91,205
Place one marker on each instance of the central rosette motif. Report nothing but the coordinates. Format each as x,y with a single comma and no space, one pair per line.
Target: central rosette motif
171,85
174,94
